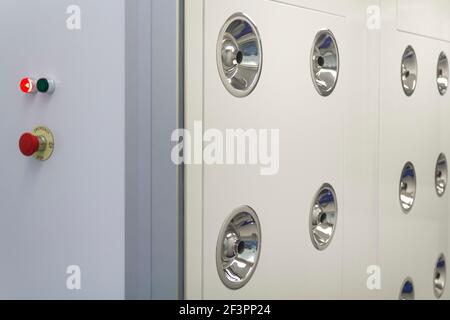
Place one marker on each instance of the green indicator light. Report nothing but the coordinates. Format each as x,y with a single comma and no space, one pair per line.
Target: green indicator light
44,85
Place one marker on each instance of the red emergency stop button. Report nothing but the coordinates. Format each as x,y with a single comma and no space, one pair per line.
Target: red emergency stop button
28,85
29,144
38,143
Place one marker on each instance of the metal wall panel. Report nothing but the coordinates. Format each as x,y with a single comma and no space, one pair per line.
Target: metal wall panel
315,133
358,139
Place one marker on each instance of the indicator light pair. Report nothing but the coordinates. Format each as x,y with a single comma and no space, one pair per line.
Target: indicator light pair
43,85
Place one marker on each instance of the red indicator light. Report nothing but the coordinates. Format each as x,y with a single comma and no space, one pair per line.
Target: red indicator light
27,85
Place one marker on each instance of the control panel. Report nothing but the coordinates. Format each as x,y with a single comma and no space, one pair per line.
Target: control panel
75,78
63,146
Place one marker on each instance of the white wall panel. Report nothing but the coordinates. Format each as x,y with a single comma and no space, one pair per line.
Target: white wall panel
358,139
444,114
315,132
410,130
339,8
426,18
